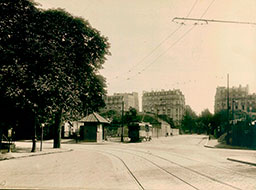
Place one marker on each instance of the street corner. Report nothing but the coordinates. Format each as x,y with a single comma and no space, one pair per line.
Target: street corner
211,143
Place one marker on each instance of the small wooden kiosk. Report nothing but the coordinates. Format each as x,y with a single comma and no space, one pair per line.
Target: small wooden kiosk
92,130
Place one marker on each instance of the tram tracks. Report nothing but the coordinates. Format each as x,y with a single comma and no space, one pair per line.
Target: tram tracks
198,161
129,170
186,169
153,163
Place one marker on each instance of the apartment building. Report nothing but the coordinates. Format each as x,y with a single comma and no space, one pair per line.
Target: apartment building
114,102
170,103
239,99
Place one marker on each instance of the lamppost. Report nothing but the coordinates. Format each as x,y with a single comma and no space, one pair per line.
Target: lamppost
42,134
228,125
122,128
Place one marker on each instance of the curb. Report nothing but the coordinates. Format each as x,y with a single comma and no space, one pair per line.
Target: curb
231,159
206,144
31,155
241,161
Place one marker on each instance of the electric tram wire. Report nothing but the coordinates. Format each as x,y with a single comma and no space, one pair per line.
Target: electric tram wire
172,44
164,40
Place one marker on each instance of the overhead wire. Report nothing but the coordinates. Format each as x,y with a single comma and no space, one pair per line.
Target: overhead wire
195,2
173,44
204,13
88,6
213,20
151,52
161,43
195,81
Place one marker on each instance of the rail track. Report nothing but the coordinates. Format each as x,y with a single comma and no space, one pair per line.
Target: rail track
186,169
140,185
194,160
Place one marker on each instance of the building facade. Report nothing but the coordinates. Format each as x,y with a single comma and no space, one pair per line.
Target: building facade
239,99
170,103
114,102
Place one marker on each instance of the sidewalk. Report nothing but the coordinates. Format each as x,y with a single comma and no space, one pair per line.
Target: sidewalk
249,159
23,149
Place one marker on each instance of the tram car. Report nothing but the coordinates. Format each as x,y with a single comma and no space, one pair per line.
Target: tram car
139,131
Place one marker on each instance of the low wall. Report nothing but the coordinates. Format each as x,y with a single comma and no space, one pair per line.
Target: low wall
175,131
158,132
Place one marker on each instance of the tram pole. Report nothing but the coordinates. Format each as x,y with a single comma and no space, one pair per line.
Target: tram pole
122,128
228,125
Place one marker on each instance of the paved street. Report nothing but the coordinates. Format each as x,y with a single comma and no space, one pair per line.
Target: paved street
179,162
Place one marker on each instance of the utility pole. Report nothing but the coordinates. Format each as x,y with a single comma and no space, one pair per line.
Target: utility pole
122,128
233,114
227,137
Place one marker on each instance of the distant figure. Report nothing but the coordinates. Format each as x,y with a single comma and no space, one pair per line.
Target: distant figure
76,136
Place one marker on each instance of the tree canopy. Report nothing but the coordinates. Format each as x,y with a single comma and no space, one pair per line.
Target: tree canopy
188,122
50,61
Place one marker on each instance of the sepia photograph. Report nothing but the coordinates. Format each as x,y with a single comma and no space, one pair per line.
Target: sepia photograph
126,95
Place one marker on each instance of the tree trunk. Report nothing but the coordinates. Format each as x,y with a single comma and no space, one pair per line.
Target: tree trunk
57,130
34,138
1,135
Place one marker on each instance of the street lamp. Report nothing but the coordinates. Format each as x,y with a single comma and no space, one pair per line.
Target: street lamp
42,134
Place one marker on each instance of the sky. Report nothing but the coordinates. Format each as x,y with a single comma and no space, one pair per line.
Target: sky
151,52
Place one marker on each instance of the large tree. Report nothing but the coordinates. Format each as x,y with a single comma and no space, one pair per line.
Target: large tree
72,59
16,23
188,122
204,121
53,68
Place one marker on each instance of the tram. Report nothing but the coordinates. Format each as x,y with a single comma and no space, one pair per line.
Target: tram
139,131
